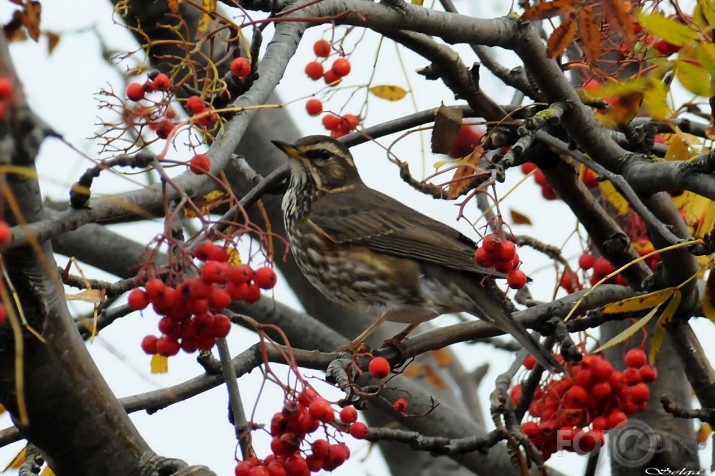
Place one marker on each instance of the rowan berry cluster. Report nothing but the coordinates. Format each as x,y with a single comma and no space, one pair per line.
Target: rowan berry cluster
315,70
500,253
340,125
191,311
573,412
300,417
601,267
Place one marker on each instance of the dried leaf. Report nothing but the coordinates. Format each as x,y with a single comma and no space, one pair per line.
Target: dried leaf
561,37
704,433
52,40
669,29
443,357
31,19
447,122
433,378
544,10
464,176
206,203
518,218
590,30
208,7
95,296
629,331
617,14
389,92
413,371
174,5
159,364
16,461
640,303
610,193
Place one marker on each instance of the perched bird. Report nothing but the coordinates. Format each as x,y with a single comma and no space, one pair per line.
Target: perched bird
368,251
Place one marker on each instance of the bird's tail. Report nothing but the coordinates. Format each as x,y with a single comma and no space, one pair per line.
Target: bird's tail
490,307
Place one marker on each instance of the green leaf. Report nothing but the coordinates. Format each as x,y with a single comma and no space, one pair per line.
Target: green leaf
655,100
694,78
668,29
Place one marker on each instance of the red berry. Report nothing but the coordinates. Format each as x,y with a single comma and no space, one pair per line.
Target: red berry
155,289
586,261
506,251
240,274
314,107
601,369
603,267
615,418
530,362
322,48
265,278
138,299
648,374
600,423
320,448
358,430
258,471
379,368
195,105
135,92
162,82
315,463
631,376
341,67
306,396
6,88
665,47
167,346
516,279
348,415
199,289
208,120
149,344
601,390
244,468
276,468
221,325
330,77
540,178
640,393
314,70
253,294
295,465
5,233
516,394
492,243
164,128
548,193
321,410
582,376
527,167
635,358
240,67
576,396
484,259
200,164
569,281
589,178
400,405
219,299
331,121
530,428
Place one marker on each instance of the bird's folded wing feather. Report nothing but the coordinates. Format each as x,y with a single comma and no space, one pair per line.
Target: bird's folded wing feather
367,217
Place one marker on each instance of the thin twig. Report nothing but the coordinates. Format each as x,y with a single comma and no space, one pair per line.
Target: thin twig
242,428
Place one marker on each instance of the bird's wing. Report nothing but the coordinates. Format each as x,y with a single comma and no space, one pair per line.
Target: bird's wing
367,217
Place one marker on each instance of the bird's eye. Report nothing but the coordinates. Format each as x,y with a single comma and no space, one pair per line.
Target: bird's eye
322,154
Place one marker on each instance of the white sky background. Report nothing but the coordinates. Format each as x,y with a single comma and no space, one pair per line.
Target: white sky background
61,89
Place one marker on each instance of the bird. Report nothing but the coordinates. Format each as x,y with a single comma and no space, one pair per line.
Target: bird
370,252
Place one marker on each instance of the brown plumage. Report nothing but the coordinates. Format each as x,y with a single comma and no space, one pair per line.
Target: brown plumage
368,251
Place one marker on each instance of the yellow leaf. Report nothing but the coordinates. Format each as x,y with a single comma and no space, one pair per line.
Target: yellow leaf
174,5
668,29
94,296
16,461
443,357
207,9
639,303
699,213
693,77
659,334
389,92
655,99
206,203
159,364
234,257
614,197
419,3
47,472
628,332
677,149
413,371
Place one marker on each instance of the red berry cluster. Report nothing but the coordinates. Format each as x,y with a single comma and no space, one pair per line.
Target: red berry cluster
6,92
602,267
588,177
191,311
314,69
500,254
572,413
289,430
339,126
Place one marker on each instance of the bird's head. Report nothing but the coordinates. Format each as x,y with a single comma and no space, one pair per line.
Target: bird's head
324,160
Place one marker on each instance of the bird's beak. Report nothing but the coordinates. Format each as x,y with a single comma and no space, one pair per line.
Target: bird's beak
288,149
